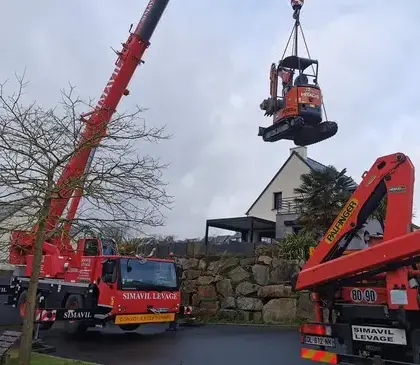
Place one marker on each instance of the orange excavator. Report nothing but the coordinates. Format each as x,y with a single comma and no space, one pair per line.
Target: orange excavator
298,112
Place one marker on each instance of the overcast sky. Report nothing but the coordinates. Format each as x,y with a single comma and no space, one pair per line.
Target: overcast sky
206,73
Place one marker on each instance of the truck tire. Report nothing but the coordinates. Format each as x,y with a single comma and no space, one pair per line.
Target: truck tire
21,304
75,301
128,327
22,309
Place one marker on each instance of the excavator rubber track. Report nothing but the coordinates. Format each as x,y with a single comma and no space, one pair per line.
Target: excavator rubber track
300,133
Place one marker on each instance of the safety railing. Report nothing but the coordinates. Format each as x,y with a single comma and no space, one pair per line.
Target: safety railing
289,206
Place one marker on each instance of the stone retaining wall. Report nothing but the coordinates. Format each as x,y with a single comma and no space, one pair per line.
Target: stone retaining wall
250,289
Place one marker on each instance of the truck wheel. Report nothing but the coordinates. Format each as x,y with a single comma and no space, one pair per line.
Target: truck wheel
128,327
75,301
22,302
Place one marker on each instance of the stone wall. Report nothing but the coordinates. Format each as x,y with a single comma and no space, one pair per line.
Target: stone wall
249,289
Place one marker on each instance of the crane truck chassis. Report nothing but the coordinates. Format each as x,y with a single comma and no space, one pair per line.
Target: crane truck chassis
367,301
77,303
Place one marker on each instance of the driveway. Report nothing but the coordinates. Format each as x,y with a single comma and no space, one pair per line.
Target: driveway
205,345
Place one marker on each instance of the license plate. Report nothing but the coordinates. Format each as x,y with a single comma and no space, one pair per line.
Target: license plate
319,340
144,318
391,336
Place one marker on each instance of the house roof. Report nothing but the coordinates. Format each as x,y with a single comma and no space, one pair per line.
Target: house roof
312,164
241,224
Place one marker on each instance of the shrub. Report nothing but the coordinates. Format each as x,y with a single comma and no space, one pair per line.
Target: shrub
296,246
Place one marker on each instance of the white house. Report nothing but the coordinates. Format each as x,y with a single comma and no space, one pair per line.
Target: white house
274,212
277,201
13,216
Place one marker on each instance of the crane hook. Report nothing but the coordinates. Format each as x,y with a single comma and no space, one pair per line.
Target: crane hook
296,6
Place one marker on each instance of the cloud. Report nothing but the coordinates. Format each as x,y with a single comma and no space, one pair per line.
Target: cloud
206,72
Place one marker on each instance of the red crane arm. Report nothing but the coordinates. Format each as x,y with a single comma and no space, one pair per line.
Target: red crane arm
393,176
128,60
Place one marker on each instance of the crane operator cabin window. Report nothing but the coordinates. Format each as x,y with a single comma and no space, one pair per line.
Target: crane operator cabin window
91,248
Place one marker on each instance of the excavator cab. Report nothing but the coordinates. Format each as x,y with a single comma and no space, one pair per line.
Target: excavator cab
300,97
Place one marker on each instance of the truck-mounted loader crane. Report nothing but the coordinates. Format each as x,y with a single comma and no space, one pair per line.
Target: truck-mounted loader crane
367,302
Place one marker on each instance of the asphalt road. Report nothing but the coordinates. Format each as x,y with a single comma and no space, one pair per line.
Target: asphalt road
152,345
205,345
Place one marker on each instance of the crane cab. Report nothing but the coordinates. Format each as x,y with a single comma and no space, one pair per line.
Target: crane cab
297,109
97,247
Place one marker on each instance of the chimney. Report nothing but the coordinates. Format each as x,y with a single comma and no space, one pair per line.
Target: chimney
301,151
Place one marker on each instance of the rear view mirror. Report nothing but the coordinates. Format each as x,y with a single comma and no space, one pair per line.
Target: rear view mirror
179,271
108,268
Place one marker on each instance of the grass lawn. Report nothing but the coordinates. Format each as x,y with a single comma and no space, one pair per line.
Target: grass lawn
40,359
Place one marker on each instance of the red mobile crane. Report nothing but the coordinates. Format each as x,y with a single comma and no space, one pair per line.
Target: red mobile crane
94,282
367,302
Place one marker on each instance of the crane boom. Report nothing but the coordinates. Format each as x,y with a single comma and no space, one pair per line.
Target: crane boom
391,176
96,124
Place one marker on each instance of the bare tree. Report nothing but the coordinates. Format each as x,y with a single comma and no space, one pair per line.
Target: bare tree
115,231
120,187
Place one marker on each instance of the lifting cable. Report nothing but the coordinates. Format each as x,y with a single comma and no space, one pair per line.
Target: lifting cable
313,70
287,44
295,31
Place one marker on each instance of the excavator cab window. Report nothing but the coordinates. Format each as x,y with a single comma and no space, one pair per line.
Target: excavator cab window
179,271
91,248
